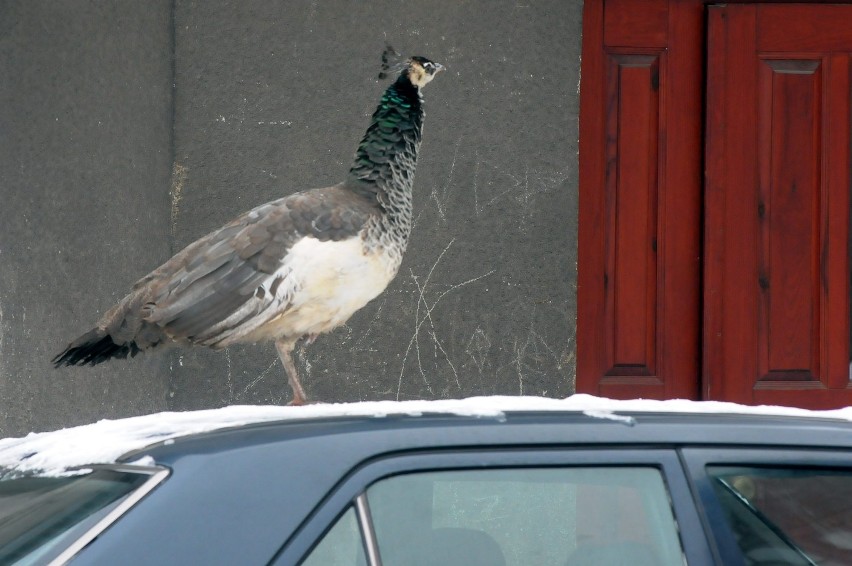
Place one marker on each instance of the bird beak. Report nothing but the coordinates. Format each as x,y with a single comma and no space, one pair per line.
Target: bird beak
439,68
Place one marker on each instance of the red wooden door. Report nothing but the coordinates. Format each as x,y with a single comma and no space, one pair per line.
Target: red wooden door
776,290
638,313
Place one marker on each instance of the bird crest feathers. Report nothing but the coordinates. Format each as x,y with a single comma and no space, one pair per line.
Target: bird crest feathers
392,62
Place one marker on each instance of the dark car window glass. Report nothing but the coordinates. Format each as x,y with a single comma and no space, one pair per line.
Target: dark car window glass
518,517
40,516
788,516
341,546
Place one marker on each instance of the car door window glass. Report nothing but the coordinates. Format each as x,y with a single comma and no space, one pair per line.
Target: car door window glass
341,546
545,516
787,515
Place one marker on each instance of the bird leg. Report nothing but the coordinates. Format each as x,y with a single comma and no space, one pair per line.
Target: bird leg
285,352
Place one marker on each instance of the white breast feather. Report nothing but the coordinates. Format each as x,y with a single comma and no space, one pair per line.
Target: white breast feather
323,284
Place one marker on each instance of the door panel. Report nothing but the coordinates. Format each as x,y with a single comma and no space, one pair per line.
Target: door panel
777,205
788,209
632,191
638,314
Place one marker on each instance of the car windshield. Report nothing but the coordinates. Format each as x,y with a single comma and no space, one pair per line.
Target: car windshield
41,516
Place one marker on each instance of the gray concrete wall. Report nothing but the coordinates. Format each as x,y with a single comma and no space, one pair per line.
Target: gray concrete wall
271,98
85,159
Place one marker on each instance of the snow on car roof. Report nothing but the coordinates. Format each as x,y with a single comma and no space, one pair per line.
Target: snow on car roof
53,453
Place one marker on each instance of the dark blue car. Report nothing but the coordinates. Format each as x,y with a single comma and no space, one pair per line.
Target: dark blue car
413,487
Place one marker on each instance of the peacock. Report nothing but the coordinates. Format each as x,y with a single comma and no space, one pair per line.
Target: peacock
291,269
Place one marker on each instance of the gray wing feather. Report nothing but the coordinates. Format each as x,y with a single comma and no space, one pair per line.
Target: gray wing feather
221,287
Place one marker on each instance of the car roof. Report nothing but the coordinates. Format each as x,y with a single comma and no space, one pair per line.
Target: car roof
386,426
375,436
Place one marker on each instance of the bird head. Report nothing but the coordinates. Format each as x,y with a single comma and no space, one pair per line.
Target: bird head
419,70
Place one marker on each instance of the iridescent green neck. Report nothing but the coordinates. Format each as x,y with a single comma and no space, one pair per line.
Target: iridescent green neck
386,156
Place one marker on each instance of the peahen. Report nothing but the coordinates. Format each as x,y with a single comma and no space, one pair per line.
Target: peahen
289,269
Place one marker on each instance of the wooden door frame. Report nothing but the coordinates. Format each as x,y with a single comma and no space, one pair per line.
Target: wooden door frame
687,307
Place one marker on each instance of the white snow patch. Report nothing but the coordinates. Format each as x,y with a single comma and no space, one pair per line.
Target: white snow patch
143,461
598,414
52,453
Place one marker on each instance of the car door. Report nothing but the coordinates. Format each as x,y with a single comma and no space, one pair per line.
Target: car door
512,507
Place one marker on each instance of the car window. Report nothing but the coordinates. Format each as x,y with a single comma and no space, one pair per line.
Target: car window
40,516
341,546
543,516
787,515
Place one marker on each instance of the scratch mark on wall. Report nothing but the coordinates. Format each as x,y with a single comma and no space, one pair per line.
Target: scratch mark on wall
567,358
370,326
531,353
416,220
440,346
519,364
2,332
523,189
415,338
306,363
178,179
258,379
579,73
476,207
230,377
478,348
432,333
441,199
538,338
422,314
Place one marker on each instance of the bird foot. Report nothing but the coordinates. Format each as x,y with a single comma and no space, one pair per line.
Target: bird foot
309,339
285,352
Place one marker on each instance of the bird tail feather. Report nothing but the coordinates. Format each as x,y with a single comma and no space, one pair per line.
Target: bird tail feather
94,347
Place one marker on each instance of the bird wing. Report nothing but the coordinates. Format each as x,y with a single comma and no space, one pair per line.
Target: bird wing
237,278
